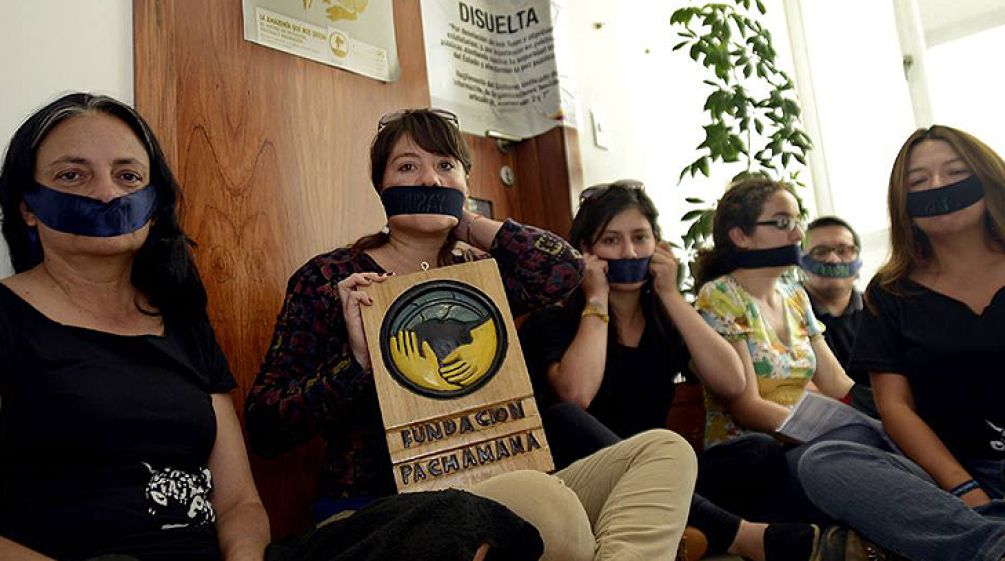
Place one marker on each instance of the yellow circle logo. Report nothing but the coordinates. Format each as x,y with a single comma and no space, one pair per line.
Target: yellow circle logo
338,42
443,339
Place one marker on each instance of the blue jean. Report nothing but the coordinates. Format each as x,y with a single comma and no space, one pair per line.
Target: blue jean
893,502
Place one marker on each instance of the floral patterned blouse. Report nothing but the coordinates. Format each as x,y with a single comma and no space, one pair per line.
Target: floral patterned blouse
310,382
782,370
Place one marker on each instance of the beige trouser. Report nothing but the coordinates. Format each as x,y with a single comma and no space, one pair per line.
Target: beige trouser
626,502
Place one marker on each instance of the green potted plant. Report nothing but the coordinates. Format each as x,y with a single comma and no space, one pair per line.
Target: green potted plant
752,111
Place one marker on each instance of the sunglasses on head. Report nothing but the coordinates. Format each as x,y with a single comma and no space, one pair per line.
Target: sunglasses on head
395,115
597,191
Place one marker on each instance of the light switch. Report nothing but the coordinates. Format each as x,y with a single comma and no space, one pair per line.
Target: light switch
601,136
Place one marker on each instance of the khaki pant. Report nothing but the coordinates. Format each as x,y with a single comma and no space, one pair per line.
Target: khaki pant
626,502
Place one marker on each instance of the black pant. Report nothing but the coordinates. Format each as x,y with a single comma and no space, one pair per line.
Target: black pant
756,477
574,434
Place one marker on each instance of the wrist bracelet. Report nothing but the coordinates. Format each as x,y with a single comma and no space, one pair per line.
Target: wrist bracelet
595,310
470,224
964,488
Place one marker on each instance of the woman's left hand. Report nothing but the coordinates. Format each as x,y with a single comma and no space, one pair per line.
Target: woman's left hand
663,266
462,230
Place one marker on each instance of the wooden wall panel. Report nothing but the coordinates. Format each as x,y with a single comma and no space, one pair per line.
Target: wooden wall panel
485,182
272,154
549,166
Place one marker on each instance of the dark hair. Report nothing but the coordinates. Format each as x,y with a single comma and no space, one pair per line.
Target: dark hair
739,207
602,202
428,128
599,205
163,268
909,246
434,132
825,221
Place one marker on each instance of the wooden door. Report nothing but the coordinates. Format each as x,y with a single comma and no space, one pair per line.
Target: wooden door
271,151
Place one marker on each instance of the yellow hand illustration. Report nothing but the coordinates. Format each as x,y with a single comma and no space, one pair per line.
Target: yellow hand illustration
467,363
421,367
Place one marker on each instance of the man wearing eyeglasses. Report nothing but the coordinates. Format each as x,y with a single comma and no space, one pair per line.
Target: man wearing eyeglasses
831,263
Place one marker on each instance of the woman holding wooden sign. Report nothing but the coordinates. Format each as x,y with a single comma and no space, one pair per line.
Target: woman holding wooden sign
118,437
629,501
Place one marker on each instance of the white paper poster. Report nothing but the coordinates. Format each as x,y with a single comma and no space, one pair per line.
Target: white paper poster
494,63
357,35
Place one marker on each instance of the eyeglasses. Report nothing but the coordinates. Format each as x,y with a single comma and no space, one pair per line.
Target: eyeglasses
389,118
597,191
843,251
786,223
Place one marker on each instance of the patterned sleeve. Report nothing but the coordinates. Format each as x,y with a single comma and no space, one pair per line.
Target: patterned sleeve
538,268
309,375
814,328
724,309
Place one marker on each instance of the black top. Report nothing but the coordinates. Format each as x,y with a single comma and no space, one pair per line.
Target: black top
841,331
638,385
952,358
104,439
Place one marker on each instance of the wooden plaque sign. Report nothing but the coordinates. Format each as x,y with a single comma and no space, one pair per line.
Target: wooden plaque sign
454,393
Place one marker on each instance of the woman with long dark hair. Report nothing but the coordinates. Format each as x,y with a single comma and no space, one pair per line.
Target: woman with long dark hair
608,356
117,433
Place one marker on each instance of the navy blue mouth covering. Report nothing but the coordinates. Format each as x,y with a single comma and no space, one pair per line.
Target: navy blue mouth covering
762,258
84,216
944,200
628,270
422,200
830,270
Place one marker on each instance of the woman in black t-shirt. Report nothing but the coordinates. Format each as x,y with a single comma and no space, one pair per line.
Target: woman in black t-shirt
614,348
117,433
933,343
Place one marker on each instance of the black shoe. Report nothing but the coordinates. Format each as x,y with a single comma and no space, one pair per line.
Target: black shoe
843,544
791,542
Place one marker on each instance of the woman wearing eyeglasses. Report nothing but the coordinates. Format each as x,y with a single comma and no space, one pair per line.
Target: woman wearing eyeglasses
317,374
769,322
607,357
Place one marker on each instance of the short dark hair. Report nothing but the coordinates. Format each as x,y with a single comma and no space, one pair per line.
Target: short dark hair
434,132
429,129
163,269
831,220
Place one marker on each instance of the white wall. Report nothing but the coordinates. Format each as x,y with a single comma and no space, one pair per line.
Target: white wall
50,47
966,90
864,110
651,99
